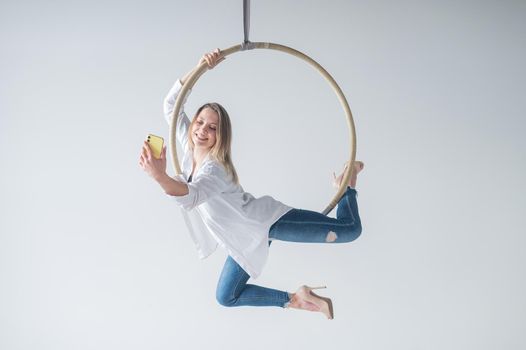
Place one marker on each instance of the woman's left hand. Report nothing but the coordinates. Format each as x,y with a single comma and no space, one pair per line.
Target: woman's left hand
156,168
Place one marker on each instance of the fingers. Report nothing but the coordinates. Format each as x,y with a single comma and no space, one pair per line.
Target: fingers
146,150
218,55
151,165
209,60
144,156
141,160
146,153
213,58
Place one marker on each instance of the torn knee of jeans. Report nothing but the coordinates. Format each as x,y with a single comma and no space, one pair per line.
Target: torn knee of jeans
331,237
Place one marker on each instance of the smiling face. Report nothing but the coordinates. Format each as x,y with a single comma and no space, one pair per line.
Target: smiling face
204,128
211,132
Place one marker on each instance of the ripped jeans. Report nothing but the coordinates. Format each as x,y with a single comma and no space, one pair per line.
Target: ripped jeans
297,225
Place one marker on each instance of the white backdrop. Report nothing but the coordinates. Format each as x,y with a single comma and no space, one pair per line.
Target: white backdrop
93,255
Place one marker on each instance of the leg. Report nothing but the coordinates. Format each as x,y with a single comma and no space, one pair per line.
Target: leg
233,290
312,227
348,207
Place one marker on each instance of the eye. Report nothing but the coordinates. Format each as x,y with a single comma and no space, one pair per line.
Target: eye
213,128
199,122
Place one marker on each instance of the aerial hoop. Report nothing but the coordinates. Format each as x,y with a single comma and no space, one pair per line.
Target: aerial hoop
247,45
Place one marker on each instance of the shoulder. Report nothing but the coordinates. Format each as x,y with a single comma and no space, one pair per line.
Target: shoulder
214,168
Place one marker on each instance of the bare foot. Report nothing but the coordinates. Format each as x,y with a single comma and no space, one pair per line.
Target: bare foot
358,166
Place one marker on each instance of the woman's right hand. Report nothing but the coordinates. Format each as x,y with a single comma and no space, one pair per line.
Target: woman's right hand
155,167
212,58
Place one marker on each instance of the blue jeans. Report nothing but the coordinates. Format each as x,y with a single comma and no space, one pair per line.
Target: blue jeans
295,226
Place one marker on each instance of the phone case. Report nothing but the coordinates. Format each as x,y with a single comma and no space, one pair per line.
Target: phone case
156,144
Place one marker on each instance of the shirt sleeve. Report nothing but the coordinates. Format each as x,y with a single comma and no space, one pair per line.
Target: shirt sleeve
210,182
182,120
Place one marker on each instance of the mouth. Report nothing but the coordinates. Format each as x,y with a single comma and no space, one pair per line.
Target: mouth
202,139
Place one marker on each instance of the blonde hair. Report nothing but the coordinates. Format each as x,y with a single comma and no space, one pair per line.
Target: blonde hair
221,151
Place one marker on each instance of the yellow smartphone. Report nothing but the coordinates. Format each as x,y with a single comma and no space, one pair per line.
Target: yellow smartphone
156,144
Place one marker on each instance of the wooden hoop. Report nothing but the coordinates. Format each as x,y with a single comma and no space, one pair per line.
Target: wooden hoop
202,68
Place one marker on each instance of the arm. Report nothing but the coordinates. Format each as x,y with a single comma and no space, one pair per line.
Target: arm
211,181
156,168
183,122
212,59
172,187
187,75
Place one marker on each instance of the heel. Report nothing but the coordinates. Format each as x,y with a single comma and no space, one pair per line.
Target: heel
329,312
323,303
320,287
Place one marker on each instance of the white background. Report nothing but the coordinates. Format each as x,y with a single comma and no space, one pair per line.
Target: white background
93,255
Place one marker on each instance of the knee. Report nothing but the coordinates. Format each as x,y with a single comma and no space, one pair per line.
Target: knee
353,232
356,231
224,297
331,237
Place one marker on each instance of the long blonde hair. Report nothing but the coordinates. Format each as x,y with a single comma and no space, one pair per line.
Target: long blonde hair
221,151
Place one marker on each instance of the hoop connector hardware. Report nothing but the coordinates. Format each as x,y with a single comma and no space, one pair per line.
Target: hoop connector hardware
247,45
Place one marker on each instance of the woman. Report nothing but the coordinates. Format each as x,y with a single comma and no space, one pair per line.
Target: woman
219,211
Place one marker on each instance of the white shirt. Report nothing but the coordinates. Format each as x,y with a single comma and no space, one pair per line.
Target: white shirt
218,211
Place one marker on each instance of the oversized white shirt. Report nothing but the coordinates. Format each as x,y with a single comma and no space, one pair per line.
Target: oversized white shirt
219,211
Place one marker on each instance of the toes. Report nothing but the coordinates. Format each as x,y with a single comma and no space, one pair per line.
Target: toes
359,165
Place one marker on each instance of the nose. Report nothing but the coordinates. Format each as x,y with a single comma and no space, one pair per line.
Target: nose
202,130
